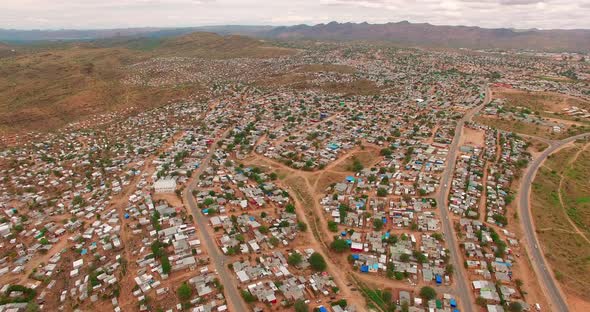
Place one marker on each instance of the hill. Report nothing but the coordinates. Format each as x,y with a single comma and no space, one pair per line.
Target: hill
7,50
210,45
406,33
16,35
46,87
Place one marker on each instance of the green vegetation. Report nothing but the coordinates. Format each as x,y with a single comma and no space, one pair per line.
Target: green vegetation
184,292
332,226
248,297
378,224
301,306
339,245
382,299
356,165
567,251
427,293
295,258
515,307
290,208
317,262
159,252
28,295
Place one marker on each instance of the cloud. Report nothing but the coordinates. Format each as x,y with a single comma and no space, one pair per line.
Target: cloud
26,14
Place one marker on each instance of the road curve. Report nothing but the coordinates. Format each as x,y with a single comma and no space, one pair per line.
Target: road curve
217,257
547,282
462,285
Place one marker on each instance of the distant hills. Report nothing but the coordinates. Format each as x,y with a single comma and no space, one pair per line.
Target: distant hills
402,33
14,35
405,33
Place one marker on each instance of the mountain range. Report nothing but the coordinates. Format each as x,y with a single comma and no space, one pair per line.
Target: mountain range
405,33
401,33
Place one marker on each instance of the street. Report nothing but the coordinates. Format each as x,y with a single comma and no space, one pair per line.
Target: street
549,284
215,255
461,281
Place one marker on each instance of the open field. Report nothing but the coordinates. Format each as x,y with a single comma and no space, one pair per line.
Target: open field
539,101
576,190
367,157
566,249
517,127
531,129
472,137
536,146
314,68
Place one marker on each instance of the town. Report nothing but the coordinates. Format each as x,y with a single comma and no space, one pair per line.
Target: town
342,177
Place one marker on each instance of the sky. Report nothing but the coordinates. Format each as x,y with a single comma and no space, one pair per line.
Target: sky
95,14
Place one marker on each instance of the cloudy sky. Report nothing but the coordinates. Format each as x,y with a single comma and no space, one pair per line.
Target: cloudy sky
86,14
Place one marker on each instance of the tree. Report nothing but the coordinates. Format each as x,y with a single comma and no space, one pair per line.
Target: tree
427,293
481,301
248,297
32,307
317,262
339,245
332,226
404,257
274,241
515,307
386,296
290,208
295,259
405,306
302,226
301,306
378,224
381,192
184,292
166,267
437,236
356,165
449,269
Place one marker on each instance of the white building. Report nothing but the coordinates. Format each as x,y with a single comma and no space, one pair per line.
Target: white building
165,186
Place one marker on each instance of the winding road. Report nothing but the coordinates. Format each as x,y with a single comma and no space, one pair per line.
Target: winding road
463,288
546,279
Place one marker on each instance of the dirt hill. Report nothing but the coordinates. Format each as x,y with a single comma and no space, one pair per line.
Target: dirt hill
47,87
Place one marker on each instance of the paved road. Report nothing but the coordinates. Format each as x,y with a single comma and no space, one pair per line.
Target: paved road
215,255
461,281
556,298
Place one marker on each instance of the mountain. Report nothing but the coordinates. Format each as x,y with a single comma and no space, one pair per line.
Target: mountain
405,33
14,35
402,33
